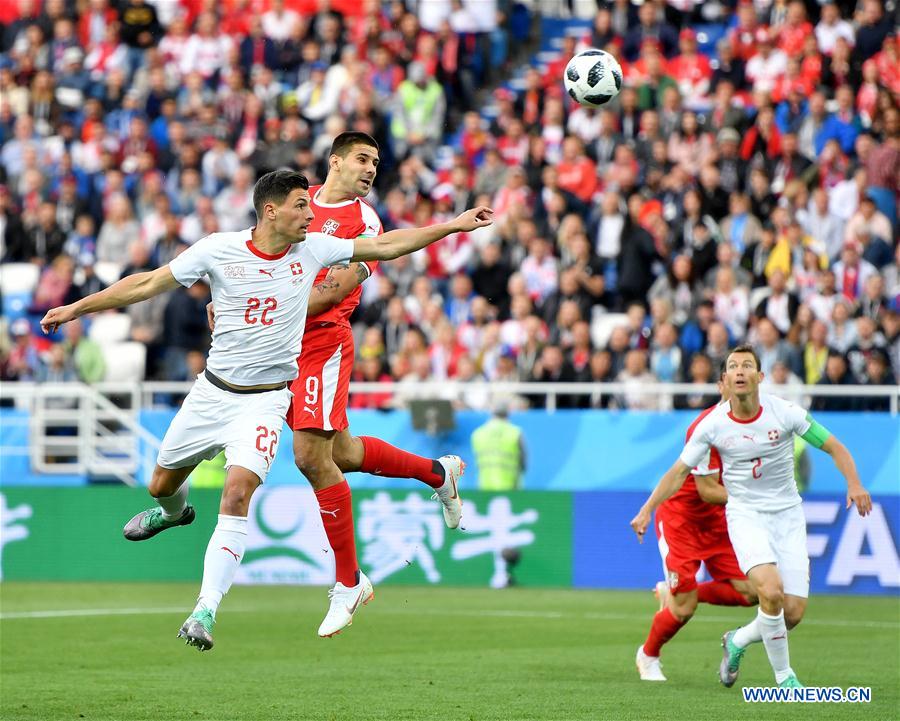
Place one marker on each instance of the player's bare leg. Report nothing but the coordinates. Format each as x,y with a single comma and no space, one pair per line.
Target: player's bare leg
170,489
313,454
794,609
372,455
223,556
768,627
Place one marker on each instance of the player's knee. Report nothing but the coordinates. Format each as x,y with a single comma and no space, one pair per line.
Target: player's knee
771,595
683,608
308,464
160,485
236,500
792,618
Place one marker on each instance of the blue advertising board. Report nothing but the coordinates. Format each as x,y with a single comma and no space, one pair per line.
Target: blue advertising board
848,553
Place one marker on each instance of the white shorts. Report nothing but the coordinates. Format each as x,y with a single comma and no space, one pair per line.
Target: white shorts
246,426
777,537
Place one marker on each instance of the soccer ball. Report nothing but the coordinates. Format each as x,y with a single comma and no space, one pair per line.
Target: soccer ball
593,78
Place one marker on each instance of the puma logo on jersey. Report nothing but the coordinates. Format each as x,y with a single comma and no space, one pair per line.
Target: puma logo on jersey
749,438
311,411
330,226
267,272
333,513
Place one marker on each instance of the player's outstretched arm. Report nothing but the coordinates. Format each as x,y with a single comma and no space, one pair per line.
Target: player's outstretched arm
403,242
856,494
132,289
667,486
710,490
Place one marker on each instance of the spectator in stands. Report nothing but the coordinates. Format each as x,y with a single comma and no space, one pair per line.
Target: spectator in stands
44,240
780,305
118,231
552,367
877,373
635,376
184,328
650,26
836,374
23,360
867,341
83,353
418,115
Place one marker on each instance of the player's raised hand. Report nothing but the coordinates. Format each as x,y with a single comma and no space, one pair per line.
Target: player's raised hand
474,218
640,523
56,317
859,496
211,317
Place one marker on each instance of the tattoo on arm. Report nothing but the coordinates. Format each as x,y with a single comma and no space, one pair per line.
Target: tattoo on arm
328,283
361,273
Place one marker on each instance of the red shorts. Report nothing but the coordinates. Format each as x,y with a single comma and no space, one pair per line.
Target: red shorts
322,386
684,545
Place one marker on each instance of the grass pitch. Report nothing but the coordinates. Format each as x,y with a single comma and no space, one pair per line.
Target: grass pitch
108,652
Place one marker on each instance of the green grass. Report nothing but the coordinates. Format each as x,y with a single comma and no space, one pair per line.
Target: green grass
415,653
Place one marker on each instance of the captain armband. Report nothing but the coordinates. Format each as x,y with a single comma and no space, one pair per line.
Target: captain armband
817,434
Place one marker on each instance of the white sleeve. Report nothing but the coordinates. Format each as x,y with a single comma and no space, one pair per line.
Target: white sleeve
796,419
702,468
696,450
329,250
191,265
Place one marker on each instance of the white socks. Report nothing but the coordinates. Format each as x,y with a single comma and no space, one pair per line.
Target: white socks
748,634
223,556
173,506
774,636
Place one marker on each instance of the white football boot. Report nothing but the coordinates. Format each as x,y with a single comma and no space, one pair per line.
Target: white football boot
648,667
345,601
448,494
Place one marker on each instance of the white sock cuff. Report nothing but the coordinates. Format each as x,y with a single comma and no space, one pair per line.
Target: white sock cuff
237,524
773,620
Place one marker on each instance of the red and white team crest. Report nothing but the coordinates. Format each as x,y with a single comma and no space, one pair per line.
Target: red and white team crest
296,269
773,436
330,226
673,580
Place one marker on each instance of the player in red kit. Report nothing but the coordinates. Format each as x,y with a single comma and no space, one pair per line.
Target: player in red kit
324,449
691,528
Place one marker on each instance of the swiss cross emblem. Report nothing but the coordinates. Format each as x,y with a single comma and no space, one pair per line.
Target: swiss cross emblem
330,226
773,435
296,269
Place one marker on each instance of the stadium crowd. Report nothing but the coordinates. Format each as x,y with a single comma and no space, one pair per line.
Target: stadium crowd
747,192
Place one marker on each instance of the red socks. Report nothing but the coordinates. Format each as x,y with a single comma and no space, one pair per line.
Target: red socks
383,459
664,626
720,593
336,509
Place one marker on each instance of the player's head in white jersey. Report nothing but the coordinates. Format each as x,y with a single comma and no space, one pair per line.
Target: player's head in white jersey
352,166
281,202
742,377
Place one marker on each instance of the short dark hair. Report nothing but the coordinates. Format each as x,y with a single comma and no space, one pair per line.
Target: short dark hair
275,187
745,348
345,141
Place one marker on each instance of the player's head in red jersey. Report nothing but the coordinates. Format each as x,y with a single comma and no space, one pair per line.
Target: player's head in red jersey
281,201
352,165
743,375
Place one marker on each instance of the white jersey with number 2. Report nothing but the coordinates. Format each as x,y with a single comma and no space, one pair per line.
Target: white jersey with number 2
260,300
757,454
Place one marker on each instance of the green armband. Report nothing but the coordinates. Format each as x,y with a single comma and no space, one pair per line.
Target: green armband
817,434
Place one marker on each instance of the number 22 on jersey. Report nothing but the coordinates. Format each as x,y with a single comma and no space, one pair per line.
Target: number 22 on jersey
252,314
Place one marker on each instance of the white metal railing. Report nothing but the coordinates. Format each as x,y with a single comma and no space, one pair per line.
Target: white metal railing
76,428
158,394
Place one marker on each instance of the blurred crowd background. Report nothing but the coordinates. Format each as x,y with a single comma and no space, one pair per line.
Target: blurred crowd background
742,187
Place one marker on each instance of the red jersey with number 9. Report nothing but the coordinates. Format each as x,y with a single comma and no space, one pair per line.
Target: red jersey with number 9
348,219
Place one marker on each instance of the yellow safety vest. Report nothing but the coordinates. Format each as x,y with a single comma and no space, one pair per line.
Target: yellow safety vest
497,452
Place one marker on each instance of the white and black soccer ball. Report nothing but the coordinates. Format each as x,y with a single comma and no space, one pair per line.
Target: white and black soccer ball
593,78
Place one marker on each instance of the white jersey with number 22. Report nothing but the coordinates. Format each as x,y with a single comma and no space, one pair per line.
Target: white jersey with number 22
757,454
260,300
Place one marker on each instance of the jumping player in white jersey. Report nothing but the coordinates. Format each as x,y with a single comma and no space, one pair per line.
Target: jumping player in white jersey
261,279
324,448
755,438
